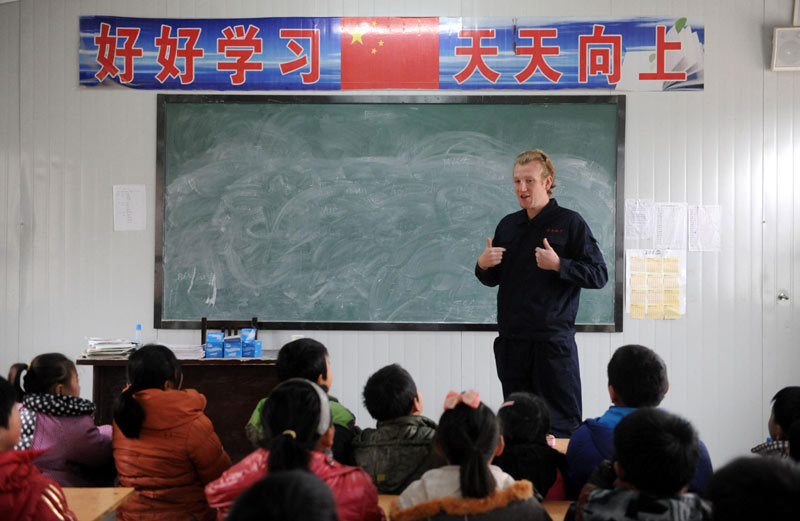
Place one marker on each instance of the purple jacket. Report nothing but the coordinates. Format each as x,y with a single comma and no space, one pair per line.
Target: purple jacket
78,453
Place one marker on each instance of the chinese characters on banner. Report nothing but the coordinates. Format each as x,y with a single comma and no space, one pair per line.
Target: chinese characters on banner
651,54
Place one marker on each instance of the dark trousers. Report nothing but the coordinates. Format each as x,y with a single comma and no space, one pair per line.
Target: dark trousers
545,368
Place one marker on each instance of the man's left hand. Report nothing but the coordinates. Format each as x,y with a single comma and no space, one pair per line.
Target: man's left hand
547,258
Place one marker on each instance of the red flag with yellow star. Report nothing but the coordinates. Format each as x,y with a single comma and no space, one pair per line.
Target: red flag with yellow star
390,53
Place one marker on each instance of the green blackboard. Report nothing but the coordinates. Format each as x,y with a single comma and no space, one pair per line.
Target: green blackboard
366,212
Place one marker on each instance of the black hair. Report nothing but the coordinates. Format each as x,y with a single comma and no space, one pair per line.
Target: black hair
755,487
294,406
468,438
638,376
8,397
786,407
658,451
794,441
389,393
527,420
149,367
291,494
45,372
302,358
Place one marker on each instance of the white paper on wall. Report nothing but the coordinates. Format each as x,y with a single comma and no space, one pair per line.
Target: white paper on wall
130,208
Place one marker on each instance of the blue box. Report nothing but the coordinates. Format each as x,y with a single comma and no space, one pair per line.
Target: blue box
232,347
214,342
252,350
248,336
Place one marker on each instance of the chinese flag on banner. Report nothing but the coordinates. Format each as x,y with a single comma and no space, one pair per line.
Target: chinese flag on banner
390,53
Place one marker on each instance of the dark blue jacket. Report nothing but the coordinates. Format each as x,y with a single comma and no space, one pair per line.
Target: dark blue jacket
593,442
538,304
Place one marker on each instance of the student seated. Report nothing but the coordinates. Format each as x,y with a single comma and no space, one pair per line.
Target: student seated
400,449
469,487
56,420
165,447
295,495
24,492
298,429
753,488
656,455
785,415
526,421
637,377
307,358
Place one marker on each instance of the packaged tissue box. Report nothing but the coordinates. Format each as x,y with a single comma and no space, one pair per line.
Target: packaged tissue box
232,347
214,341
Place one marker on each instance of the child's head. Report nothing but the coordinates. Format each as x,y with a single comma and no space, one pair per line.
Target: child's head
755,488
469,436
150,367
525,418
785,412
656,451
10,427
637,377
51,373
296,420
305,358
292,494
391,393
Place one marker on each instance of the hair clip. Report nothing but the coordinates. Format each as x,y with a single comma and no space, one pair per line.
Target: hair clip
28,368
507,404
470,398
290,432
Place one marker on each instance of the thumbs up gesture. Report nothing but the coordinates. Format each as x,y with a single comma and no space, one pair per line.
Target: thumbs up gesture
547,258
491,256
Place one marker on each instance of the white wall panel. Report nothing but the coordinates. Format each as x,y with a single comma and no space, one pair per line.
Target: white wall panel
65,274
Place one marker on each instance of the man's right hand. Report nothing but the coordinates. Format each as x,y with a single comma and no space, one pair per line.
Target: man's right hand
490,257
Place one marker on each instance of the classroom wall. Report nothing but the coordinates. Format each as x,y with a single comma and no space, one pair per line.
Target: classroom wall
65,274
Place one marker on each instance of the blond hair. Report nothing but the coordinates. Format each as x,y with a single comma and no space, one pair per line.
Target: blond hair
547,166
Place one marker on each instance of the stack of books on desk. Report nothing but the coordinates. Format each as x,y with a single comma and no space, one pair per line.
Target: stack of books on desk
186,352
106,347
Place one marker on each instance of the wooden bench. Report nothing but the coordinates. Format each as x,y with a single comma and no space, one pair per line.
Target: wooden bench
95,504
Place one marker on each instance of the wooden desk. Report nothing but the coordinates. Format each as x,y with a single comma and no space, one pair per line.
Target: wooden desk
232,387
556,509
95,504
386,502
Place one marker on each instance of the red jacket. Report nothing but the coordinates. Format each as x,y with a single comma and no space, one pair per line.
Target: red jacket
356,496
176,455
25,494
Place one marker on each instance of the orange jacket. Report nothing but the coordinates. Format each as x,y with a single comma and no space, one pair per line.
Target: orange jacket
176,455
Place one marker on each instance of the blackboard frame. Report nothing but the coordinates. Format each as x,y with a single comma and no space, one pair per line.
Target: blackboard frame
164,99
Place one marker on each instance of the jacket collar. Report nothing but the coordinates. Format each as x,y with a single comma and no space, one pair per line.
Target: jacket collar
519,491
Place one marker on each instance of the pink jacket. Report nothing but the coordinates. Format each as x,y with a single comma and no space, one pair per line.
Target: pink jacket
76,452
356,496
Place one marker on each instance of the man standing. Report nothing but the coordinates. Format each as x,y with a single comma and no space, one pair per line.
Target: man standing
541,256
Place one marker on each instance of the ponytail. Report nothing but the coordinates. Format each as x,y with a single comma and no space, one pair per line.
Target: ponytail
468,437
128,414
149,367
43,373
287,454
475,478
294,418
15,379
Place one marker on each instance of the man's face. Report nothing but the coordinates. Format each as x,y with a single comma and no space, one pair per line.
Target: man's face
531,186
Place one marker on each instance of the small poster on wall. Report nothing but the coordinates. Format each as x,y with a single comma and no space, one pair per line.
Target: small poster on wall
656,284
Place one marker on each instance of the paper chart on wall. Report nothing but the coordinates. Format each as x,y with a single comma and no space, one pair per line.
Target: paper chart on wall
639,218
130,208
705,228
670,226
656,284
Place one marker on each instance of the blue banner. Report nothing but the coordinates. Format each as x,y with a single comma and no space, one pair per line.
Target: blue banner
652,54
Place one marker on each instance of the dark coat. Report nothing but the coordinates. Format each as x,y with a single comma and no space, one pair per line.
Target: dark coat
398,452
537,462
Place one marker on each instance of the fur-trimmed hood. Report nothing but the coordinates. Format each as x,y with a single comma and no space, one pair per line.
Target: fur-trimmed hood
514,502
